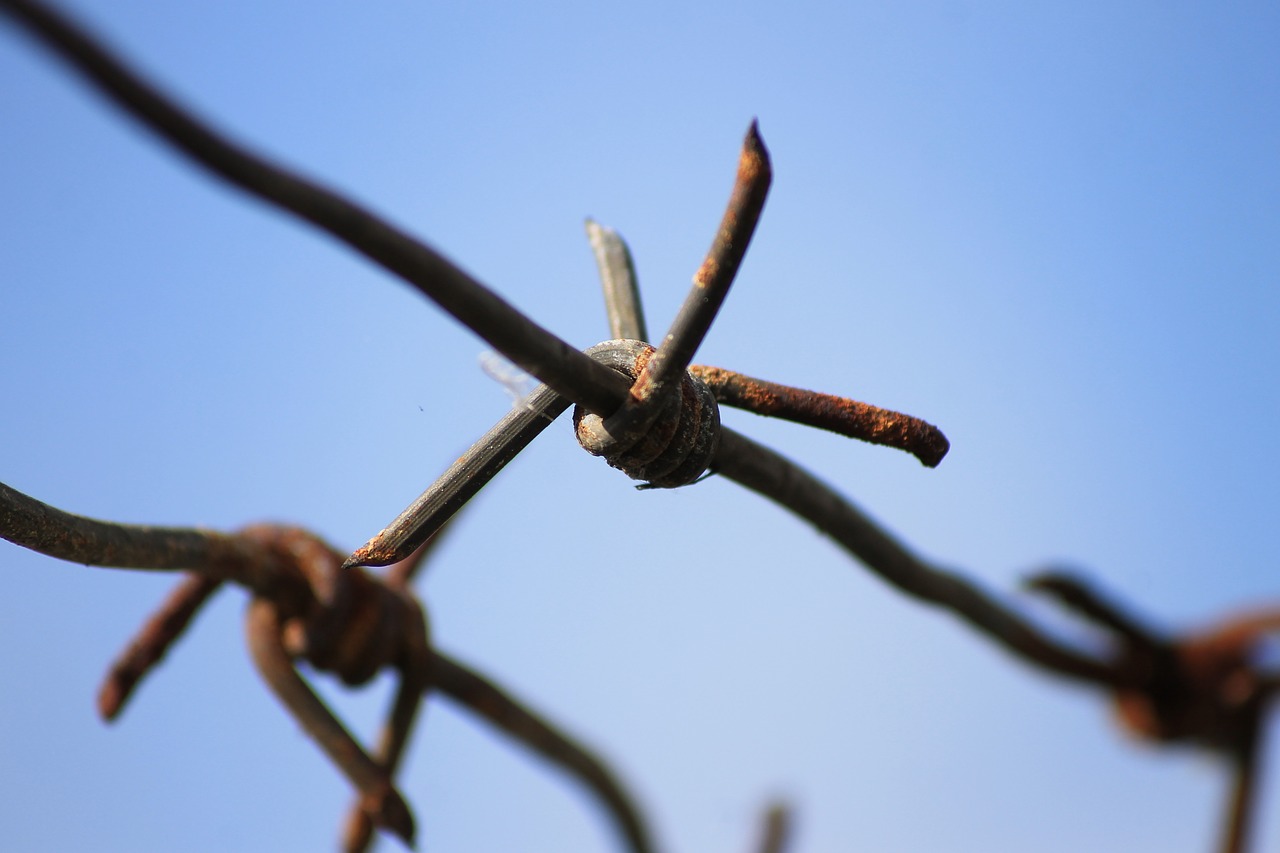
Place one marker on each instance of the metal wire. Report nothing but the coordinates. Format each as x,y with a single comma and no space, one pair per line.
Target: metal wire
308,604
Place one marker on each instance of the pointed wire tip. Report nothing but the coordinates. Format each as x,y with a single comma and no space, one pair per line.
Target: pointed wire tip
372,554
754,144
366,556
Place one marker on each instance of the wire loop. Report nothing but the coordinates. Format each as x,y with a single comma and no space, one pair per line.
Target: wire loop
354,624
677,448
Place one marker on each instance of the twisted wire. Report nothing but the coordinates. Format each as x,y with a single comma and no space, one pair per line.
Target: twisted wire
675,448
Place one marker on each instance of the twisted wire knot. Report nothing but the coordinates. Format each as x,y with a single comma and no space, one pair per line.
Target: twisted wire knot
352,623
679,443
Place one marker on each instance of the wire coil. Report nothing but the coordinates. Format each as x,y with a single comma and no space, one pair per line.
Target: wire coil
679,444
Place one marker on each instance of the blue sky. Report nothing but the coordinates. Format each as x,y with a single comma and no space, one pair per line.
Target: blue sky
1051,230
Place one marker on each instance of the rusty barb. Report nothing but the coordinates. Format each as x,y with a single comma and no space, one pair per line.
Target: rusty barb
1208,688
665,427
646,410
305,608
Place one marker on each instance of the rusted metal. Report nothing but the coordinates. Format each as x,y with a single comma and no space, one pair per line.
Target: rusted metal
305,607
1205,687
153,641
1202,688
827,411
28,522
712,280
378,796
415,667
677,447
663,375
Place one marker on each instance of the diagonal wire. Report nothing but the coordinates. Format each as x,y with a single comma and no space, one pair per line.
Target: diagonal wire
533,348
542,354
567,371
765,472
485,698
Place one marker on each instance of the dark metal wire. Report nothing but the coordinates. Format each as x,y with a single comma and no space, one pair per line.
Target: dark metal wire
1202,688
710,284
157,636
462,480
527,344
786,484
297,612
618,278
488,700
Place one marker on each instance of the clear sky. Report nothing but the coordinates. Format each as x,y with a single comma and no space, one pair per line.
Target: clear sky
1051,229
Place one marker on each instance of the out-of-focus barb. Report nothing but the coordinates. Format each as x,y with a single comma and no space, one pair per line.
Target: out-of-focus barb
305,607
1209,688
647,411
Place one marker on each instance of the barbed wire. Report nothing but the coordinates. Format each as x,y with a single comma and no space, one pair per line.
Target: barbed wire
648,412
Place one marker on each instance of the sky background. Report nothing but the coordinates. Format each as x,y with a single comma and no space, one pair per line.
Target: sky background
1051,229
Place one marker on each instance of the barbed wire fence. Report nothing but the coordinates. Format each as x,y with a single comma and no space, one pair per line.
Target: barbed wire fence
650,413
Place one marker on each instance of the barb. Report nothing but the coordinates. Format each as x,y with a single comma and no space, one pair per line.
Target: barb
1074,595
415,681
401,574
357,832
827,411
305,607
153,641
1202,688
462,480
378,796
715,276
618,278
1238,819
1205,688
660,376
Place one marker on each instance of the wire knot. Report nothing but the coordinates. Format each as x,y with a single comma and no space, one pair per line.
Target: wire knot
669,450
352,624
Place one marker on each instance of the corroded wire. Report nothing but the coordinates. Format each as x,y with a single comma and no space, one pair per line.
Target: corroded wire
826,411
1196,661
283,617
663,374
150,645
676,447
